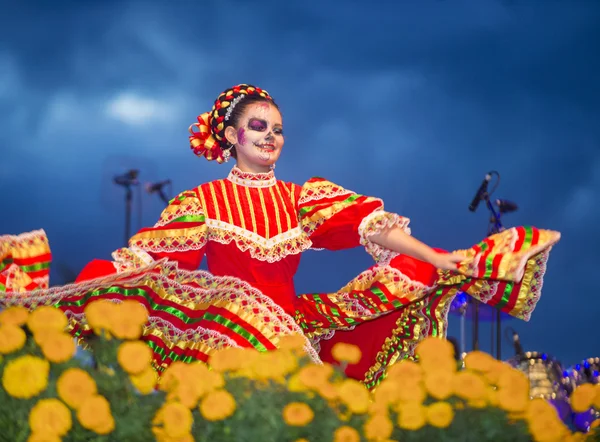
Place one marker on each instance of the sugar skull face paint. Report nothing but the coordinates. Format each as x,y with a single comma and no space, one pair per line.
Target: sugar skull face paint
259,137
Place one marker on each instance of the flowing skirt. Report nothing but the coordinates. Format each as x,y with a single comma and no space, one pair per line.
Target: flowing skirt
386,310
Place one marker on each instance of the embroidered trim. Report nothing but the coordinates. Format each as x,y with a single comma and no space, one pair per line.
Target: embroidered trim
536,284
318,193
180,243
130,258
274,249
35,237
249,179
375,223
189,206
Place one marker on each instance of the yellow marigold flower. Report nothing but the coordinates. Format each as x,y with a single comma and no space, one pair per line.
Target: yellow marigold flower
134,356
513,391
12,338
343,352
440,384
146,381
176,418
328,391
25,376
295,384
546,426
272,365
411,391
409,370
99,315
492,375
50,416
378,427
302,440
354,395
292,342
583,397
440,414
128,319
597,398
217,405
43,437
313,376
479,361
135,311
58,347
46,318
346,434
74,386
436,354
95,415
172,376
411,416
297,414
16,315
228,359
469,385
387,393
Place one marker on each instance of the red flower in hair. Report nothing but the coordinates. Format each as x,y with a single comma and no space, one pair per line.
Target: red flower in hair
202,141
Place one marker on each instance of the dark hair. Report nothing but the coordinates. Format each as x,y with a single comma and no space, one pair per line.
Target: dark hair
252,95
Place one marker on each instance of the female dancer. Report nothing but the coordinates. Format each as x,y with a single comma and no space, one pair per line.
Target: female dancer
252,229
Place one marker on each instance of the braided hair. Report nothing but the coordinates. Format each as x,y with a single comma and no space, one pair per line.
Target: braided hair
209,141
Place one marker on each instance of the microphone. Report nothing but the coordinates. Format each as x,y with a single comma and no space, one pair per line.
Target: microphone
517,344
127,179
156,187
480,192
506,206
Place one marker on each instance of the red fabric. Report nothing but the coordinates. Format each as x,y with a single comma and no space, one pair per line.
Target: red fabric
96,269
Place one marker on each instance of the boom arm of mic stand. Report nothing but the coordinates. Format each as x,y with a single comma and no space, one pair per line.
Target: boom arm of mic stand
162,196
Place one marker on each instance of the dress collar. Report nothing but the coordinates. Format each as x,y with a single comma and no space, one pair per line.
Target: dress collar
250,179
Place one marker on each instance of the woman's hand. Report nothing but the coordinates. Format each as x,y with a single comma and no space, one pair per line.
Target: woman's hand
447,261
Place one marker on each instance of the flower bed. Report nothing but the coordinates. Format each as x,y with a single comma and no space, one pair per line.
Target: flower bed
47,394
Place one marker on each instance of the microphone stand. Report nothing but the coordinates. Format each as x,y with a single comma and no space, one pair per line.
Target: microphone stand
163,197
495,226
127,180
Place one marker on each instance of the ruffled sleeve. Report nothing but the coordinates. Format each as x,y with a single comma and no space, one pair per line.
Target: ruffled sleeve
179,235
335,218
24,261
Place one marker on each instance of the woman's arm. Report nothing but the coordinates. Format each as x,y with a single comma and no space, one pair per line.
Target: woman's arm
397,240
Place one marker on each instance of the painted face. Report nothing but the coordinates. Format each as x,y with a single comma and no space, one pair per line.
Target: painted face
259,136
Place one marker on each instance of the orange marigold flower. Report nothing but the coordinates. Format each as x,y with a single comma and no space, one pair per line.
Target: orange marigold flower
440,384
346,434
25,376
74,386
387,393
47,318
50,416
479,361
292,342
313,376
58,347
134,356
297,414
378,427
405,370
597,398
217,405
469,385
95,415
99,315
16,315
440,414
146,381
411,416
583,397
354,395
12,338
546,426
177,419
228,359
343,352
43,437
513,391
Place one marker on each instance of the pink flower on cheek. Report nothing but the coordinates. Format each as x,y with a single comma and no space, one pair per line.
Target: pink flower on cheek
241,136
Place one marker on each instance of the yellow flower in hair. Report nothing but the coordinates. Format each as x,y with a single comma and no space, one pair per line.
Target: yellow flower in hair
440,414
12,338
378,427
298,414
95,415
50,416
134,356
343,352
346,434
25,376
16,315
217,405
74,386
46,318
57,346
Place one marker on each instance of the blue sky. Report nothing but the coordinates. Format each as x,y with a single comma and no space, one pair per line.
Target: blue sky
410,101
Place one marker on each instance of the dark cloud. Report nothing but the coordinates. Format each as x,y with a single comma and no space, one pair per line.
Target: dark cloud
411,102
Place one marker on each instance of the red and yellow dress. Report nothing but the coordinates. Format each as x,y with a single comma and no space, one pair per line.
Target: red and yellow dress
252,228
